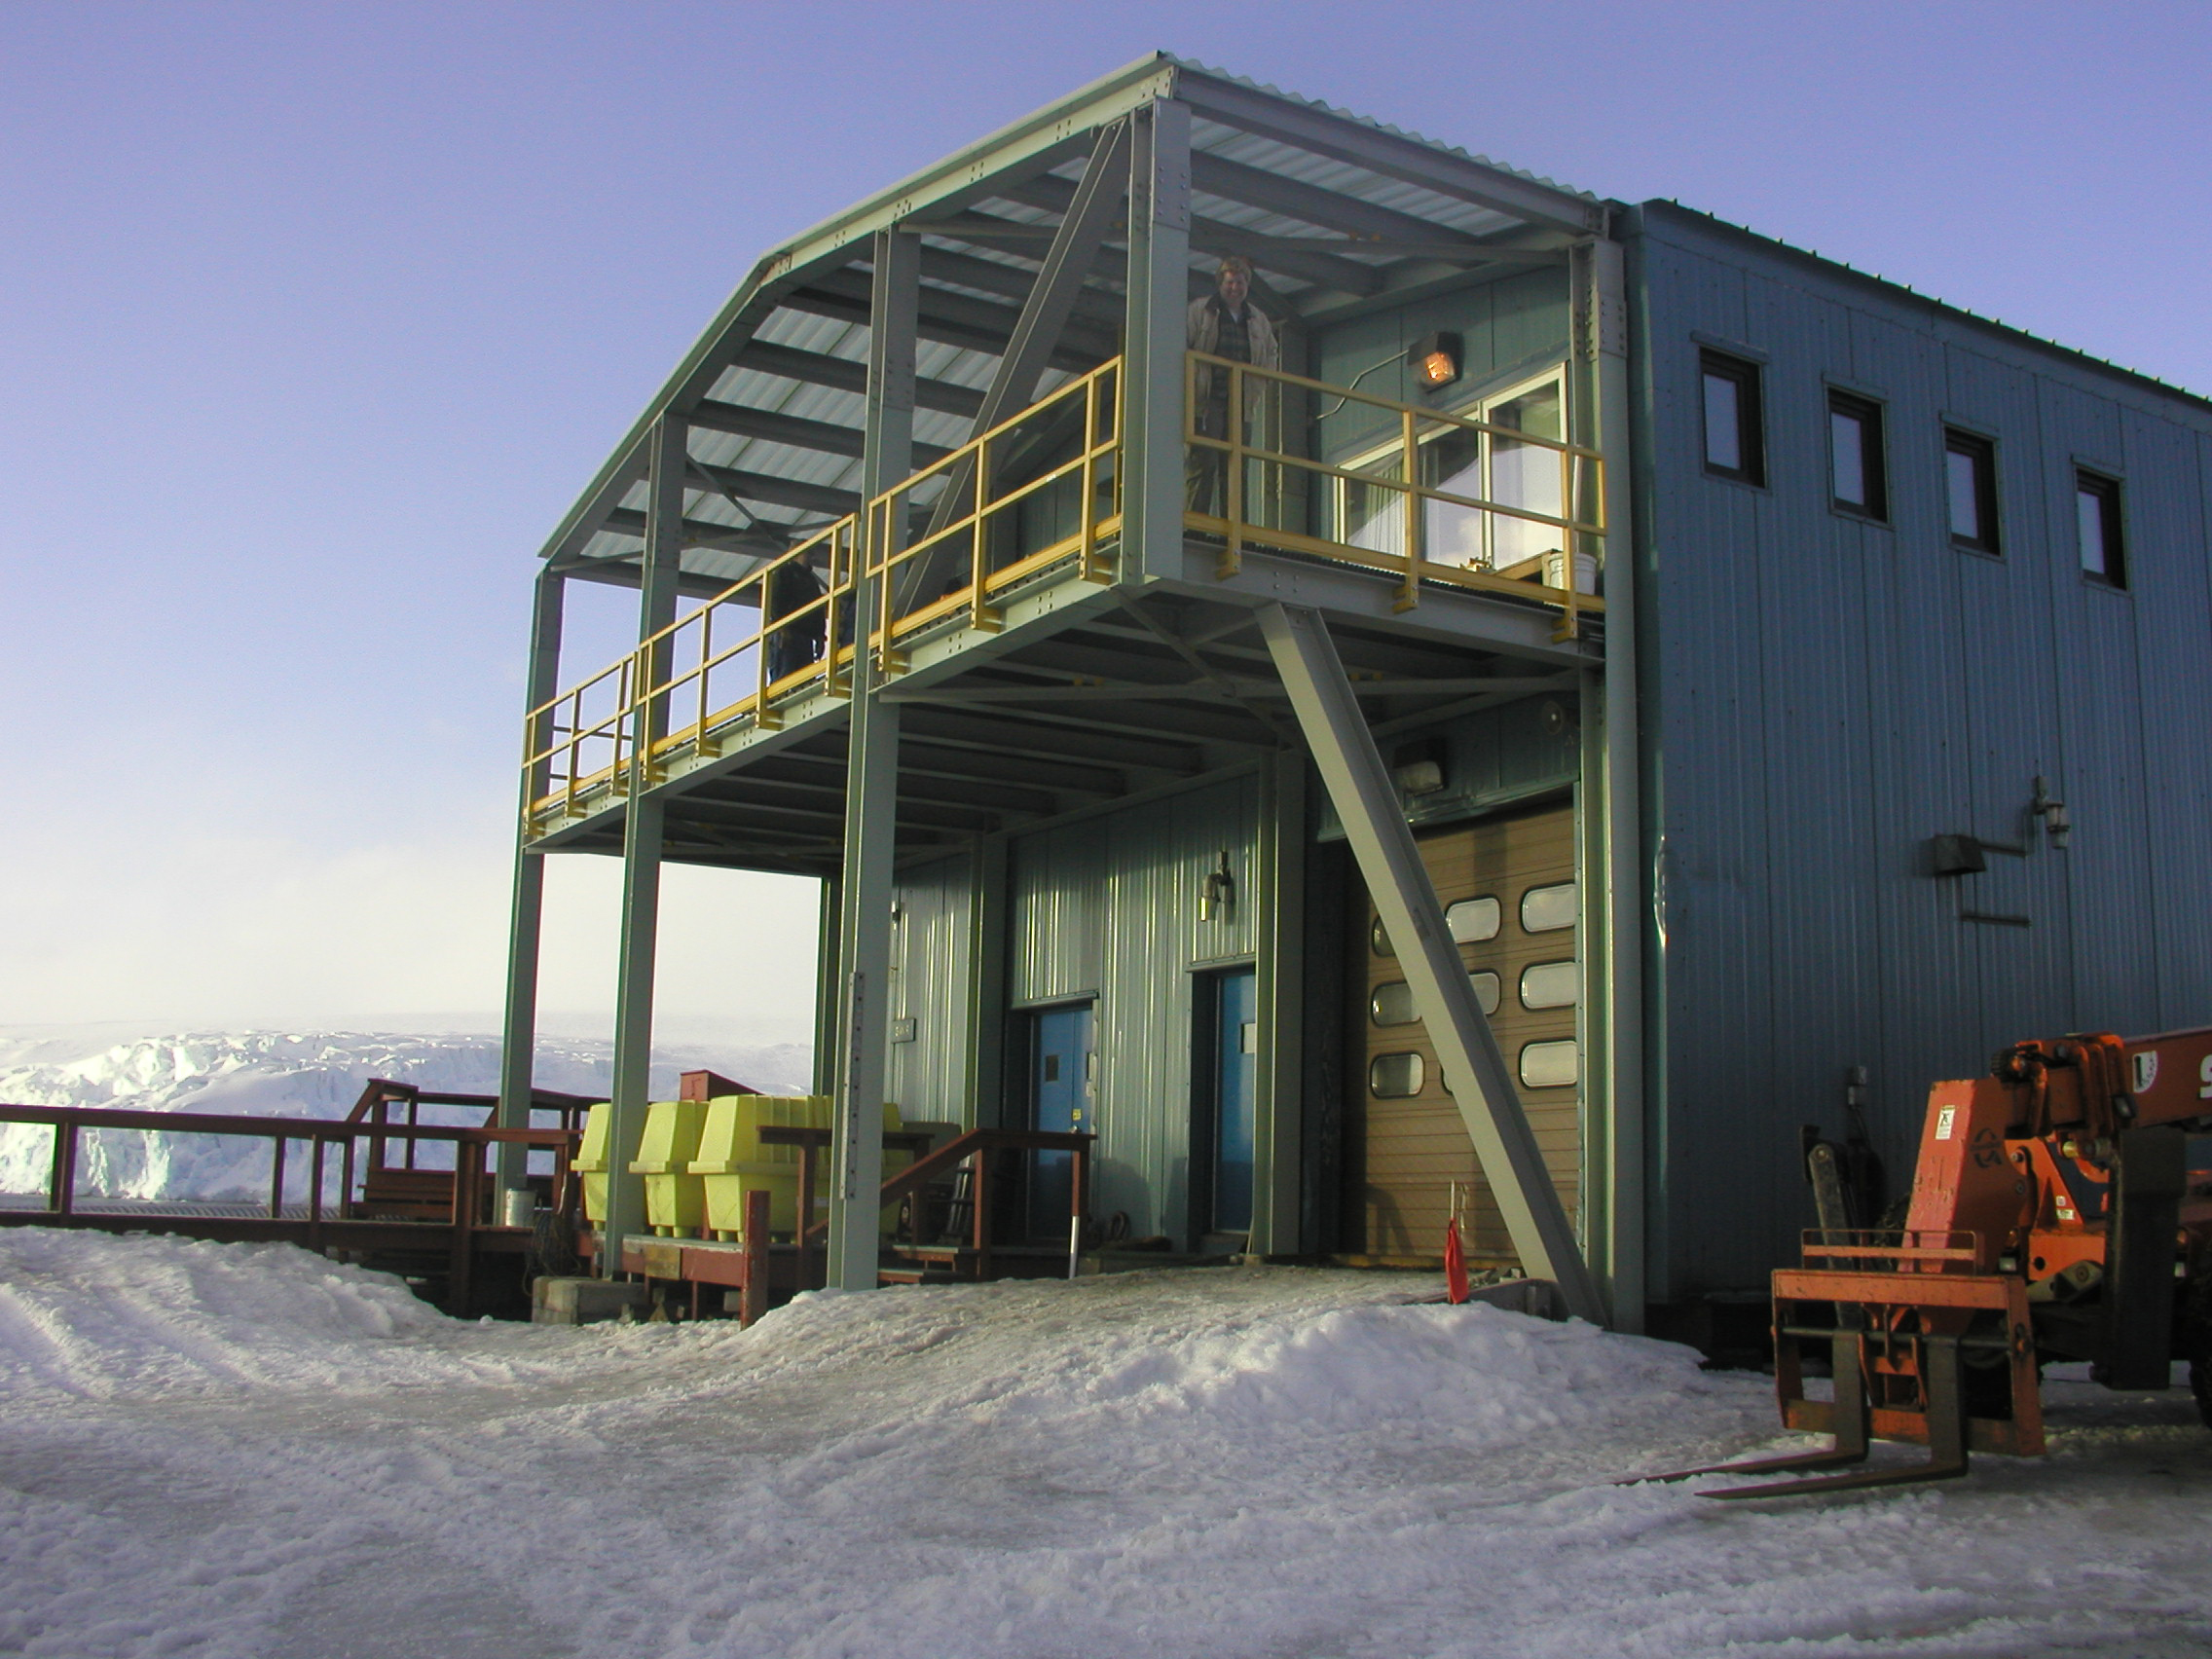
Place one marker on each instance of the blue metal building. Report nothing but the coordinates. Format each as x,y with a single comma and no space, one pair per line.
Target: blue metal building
1716,669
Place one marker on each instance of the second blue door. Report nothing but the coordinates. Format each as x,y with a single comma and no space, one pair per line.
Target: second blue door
1236,1082
1059,1093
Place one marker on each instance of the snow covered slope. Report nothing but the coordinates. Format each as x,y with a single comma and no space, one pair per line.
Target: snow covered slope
225,1450
317,1074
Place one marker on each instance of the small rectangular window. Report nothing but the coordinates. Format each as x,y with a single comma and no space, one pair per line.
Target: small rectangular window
1856,462
1546,909
1472,920
1734,444
1395,1076
2096,503
1969,469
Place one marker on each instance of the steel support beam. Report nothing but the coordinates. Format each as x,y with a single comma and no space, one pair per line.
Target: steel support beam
662,563
989,937
1386,153
1279,1087
818,368
518,1039
872,791
641,845
1474,1069
1614,858
1037,332
825,437
1331,210
1152,394
643,831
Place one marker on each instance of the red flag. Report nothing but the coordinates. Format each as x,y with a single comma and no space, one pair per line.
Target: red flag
1455,1265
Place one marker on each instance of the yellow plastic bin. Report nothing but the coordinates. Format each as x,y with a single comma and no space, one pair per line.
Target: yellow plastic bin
732,1162
591,1163
675,1196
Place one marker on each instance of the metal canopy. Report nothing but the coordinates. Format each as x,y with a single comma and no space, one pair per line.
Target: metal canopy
1335,211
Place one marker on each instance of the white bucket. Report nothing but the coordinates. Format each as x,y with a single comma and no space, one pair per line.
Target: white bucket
518,1207
1585,572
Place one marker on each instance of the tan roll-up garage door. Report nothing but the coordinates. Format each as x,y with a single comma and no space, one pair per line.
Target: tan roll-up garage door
1508,889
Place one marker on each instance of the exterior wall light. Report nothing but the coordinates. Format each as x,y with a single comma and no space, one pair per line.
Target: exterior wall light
1435,361
1218,896
1418,768
2057,823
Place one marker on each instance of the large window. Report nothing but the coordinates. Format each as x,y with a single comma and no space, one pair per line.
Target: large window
1970,471
2096,503
1490,466
1735,445
1857,476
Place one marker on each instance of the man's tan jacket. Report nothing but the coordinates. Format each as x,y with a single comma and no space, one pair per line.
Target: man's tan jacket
1204,334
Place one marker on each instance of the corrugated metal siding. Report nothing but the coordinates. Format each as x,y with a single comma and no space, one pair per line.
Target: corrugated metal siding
1490,758
929,1076
2169,525
1515,322
1107,908
1831,693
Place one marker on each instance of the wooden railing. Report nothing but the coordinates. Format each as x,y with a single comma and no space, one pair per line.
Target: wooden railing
468,1206
974,1148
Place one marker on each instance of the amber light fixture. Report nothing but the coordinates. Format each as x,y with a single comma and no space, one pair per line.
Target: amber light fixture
1434,360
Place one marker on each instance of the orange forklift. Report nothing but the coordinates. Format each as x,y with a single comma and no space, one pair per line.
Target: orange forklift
2061,1210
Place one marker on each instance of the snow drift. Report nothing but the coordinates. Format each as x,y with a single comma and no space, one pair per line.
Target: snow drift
225,1450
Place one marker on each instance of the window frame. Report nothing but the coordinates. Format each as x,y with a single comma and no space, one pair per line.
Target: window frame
1476,405
1982,449
1873,458
1750,417
2113,525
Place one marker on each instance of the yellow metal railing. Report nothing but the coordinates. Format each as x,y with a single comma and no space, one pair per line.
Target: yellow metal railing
1042,490
769,635
1025,503
1243,485
1016,513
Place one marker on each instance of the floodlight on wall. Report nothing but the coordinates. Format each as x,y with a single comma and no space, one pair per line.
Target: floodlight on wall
1434,361
1217,895
1417,768
2057,823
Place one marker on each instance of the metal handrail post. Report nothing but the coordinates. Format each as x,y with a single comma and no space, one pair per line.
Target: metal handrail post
61,1182
1417,515
1233,488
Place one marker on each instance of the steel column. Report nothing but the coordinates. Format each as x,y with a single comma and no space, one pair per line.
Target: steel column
1036,333
871,791
1152,396
987,943
518,1039
829,913
1620,1056
1474,1070
1279,1087
642,824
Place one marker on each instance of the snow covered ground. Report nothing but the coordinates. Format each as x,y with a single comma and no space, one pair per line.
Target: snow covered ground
317,1074
227,1449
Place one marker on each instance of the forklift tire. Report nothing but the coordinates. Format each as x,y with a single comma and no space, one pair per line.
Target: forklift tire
2195,1344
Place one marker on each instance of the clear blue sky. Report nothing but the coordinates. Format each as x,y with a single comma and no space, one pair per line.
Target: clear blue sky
317,317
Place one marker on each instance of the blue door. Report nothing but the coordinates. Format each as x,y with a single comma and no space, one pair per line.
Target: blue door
1061,1093
1236,1063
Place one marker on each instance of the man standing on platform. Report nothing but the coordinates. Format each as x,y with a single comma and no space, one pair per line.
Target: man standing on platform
1224,324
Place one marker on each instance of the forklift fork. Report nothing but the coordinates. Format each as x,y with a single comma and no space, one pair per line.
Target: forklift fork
1850,1419
1944,1381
